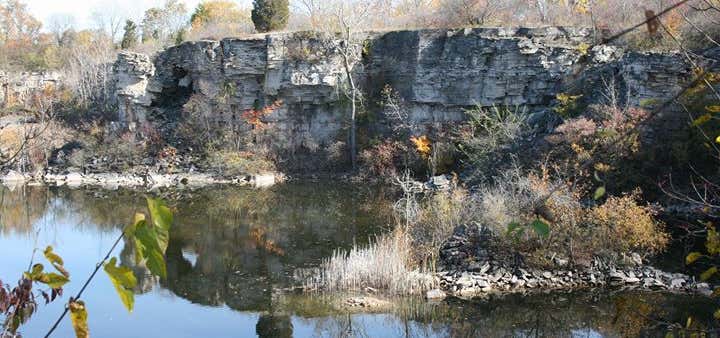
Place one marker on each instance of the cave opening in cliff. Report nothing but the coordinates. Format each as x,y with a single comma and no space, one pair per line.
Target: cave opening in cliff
176,92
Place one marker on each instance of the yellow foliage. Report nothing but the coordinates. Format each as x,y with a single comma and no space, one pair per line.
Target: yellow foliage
583,48
582,6
79,318
712,243
602,167
219,12
566,104
422,145
701,120
85,38
629,226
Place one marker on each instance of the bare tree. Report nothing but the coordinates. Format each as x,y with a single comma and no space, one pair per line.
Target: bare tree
348,18
162,24
471,12
88,73
109,18
58,24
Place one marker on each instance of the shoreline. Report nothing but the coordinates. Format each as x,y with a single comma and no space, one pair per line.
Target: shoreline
137,180
464,284
501,281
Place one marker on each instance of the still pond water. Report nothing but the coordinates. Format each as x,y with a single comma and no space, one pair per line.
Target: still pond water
232,251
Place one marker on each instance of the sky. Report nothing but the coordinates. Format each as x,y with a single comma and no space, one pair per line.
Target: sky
81,10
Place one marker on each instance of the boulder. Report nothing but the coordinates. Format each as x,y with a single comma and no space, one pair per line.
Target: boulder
435,294
263,180
469,244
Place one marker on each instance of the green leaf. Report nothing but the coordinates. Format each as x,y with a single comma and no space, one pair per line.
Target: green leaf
692,257
713,109
129,230
541,228
79,318
708,273
162,219
717,314
599,193
150,249
124,282
156,263
54,280
513,227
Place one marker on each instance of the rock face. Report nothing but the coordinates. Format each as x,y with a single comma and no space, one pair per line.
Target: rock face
132,74
442,72
20,89
437,73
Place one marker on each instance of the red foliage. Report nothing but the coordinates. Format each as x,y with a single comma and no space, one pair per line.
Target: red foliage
17,304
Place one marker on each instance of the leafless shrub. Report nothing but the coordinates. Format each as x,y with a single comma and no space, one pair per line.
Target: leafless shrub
88,72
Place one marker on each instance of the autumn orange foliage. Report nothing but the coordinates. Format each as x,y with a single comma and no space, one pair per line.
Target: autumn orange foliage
255,116
260,239
423,145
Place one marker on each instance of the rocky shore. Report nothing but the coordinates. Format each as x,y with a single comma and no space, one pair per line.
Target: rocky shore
470,271
493,279
137,180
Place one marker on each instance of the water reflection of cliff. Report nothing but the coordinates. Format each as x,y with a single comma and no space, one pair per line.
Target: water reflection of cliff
227,246
235,248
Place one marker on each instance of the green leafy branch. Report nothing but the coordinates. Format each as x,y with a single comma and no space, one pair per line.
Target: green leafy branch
540,227
150,239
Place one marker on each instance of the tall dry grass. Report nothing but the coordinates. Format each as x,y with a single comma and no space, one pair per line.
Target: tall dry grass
384,264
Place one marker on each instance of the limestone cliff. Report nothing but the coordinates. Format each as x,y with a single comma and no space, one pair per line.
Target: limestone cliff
23,89
438,74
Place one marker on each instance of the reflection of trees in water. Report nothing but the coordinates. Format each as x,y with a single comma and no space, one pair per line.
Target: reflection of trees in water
245,243
102,210
21,208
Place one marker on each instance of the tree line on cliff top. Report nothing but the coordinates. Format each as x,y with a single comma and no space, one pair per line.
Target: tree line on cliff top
27,46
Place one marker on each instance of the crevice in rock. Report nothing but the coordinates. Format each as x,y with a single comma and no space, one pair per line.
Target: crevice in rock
175,93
